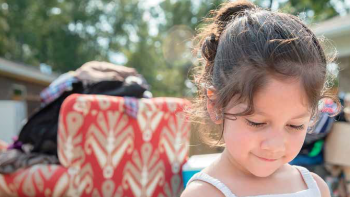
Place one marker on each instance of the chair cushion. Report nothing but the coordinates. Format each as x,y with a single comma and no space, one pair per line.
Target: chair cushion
124,146
38,180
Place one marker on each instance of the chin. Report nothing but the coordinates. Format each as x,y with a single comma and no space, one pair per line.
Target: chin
262,172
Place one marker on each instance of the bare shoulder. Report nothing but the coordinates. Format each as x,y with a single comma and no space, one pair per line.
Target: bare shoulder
200,188
322,185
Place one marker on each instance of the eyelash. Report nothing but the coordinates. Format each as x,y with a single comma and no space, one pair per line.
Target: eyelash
254,124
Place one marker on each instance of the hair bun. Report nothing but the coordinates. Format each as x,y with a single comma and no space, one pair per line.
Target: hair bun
209,47
233,8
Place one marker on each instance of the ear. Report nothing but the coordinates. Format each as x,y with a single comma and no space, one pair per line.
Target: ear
211,98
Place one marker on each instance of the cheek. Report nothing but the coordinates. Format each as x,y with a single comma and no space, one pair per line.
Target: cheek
295,144
238,140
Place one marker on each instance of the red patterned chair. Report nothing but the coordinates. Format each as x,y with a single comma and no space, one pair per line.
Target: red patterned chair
111,146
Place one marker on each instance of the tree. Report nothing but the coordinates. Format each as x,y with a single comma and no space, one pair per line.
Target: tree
312,10
154,39
49,31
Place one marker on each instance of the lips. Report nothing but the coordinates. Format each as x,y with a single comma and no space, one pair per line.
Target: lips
266,159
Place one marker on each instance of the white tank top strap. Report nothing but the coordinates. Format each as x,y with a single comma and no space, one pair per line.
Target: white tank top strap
213,181
312,191
309,180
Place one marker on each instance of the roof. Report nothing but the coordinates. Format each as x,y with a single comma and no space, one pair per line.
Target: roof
25,73
334,27
337,31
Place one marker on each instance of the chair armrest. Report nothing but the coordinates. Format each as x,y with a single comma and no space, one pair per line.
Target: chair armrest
71,132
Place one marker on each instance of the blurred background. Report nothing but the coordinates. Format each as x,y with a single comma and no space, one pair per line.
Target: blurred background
153,36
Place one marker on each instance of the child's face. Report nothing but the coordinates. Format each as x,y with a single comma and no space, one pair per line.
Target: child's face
282,115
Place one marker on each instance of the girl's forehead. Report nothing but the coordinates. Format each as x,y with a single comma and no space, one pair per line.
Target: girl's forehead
285,89
278,96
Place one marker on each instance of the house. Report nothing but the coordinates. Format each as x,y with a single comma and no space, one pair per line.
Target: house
20,88
337,32
22,82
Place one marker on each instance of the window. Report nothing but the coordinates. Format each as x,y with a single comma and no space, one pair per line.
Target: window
19,92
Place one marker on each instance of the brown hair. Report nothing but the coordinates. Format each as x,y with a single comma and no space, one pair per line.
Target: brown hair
242,46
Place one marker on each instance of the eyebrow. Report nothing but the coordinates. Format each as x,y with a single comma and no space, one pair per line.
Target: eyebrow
303,115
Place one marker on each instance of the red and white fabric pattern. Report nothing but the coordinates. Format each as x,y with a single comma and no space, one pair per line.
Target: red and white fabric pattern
106,152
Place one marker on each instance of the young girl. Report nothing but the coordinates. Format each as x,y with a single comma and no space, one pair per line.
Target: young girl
263,81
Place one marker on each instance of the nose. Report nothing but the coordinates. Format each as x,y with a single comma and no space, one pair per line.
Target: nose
274,141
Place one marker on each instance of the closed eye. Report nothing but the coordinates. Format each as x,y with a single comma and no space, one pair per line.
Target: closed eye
254,124
297,127
258,124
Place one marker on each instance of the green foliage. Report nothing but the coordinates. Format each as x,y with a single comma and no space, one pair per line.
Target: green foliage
39,32
315,10
154,39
